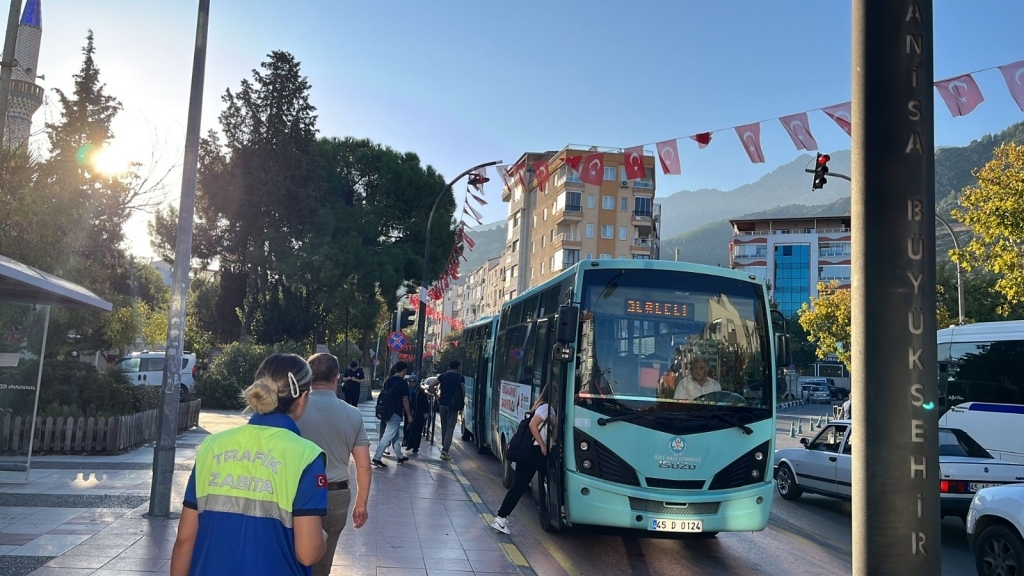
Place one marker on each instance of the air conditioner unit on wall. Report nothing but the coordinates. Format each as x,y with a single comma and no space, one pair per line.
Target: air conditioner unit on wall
624,184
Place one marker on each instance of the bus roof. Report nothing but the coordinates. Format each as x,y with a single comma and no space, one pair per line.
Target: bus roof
983,332
584,265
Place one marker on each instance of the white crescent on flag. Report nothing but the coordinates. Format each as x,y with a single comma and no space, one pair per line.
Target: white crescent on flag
750,135
799,129
1014,76
668,154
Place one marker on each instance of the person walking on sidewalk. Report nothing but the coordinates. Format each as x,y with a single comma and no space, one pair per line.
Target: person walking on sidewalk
452,399
396,407
352,383
337,428
531,465
419,400
254,501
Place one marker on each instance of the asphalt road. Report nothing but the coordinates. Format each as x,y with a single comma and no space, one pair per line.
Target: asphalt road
810,536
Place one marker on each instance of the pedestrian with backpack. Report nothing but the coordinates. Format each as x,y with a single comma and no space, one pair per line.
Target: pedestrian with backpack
392,407
451,399
529,450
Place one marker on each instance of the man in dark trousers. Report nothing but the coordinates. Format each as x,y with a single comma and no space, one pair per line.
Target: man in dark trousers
352,383
451,399
399,410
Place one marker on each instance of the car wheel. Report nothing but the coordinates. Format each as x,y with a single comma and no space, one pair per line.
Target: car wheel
785,483
184,395
999,551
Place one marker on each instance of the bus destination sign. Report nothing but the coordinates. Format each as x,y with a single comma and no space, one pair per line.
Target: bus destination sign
679,310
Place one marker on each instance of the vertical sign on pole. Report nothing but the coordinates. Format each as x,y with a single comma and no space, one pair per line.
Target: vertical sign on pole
896,519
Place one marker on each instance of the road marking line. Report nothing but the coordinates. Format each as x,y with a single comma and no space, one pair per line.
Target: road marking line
517,557
476,498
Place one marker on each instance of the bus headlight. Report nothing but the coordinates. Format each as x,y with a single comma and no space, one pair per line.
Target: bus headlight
755,474
587,464
584,445
758,456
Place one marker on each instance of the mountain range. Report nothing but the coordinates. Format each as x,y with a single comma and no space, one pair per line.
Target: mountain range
697,221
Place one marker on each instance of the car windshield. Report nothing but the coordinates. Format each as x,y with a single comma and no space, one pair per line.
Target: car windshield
129,364
955,442
664,341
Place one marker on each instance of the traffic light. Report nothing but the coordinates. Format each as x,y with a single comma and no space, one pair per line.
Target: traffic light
820,169
408,318
393,321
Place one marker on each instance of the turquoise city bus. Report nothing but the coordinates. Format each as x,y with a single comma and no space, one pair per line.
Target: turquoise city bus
660,379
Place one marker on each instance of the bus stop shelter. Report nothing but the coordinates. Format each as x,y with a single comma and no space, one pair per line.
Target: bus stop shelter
21,284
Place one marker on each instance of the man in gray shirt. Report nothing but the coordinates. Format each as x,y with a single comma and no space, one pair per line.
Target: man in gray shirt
337,428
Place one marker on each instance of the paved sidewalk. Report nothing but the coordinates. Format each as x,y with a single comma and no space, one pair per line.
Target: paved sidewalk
83,515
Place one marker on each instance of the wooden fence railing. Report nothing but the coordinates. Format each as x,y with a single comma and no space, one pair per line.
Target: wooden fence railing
88,435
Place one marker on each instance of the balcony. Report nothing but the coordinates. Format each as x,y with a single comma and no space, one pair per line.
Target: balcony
750,254
568,240
571,213
642,215
834,253
641,245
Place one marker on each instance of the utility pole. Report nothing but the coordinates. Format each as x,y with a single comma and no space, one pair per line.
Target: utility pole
167,417
896,521
8,63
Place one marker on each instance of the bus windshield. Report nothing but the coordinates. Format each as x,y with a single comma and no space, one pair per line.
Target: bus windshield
667,341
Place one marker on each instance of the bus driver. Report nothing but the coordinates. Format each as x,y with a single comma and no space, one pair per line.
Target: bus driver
697,383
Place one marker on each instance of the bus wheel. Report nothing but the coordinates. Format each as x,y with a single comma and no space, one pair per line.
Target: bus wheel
507,472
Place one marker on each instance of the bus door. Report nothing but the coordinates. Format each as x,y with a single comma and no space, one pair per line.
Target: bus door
553,486
481,415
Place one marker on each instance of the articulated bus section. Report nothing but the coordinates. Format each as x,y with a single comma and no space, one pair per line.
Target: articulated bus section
660,378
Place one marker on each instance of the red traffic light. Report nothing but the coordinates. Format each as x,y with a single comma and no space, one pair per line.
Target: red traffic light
824,159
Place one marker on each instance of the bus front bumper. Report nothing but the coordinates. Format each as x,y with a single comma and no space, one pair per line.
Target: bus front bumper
743,509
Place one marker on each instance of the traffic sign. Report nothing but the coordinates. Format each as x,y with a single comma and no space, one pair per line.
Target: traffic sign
396,341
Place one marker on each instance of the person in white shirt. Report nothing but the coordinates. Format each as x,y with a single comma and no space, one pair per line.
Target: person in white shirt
526,469
846,409
697,383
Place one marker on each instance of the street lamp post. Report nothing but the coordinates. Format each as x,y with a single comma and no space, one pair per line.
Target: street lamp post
421,320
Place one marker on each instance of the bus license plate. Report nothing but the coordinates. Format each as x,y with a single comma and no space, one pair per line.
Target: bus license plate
975,486
660,525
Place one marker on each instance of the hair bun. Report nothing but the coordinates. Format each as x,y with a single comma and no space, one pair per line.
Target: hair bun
261,396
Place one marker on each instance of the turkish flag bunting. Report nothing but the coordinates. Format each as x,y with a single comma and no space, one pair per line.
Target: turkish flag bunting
668,155
503,172
482,177
476,214
702,140
961,94
468,241
463,256
750,136
478,199
540,172
634,158
1014,76
520,172
799,130
593,169
574,162
841,114
465,211
455,274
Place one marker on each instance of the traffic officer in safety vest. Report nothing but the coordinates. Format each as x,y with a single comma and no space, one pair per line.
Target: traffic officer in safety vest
254,501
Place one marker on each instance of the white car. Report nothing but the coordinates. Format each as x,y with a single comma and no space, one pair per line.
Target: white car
147,368
822,467
995,525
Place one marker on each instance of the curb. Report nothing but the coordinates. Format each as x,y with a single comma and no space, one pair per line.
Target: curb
511,550
783,406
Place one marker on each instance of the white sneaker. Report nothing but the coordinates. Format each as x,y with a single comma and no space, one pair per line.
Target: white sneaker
501,525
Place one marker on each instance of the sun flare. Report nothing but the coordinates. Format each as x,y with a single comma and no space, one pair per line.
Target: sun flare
111,161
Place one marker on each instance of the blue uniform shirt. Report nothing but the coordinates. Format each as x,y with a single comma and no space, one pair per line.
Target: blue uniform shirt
230,543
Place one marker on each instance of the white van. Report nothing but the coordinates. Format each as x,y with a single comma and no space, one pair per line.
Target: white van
147,368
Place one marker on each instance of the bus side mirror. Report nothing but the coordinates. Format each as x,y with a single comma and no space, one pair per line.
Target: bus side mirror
567,323
782,352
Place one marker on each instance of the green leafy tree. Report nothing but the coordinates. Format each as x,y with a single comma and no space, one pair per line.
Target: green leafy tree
827,321
994,209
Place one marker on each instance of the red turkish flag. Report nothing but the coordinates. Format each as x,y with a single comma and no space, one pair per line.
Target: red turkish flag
750,136
468,241
702,140
634,158
520,173
540,172
841,114
593,169
668,154
961,94
799,130
574,162
503,171
1014,76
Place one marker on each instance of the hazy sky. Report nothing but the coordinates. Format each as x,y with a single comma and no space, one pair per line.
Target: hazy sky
461,82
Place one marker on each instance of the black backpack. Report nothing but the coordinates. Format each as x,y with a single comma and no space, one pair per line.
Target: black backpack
521,444
385,407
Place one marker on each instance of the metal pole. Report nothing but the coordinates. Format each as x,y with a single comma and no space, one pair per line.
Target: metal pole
167,417
959,279
896,522
677,254
39,385
422,312
7,65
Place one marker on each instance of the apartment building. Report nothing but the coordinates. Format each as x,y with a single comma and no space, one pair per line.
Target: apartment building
473,304
794,254
552,229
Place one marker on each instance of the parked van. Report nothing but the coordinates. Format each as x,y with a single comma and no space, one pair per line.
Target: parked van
147,368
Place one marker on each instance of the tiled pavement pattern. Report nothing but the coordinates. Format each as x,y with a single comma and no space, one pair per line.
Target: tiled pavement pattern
85,515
